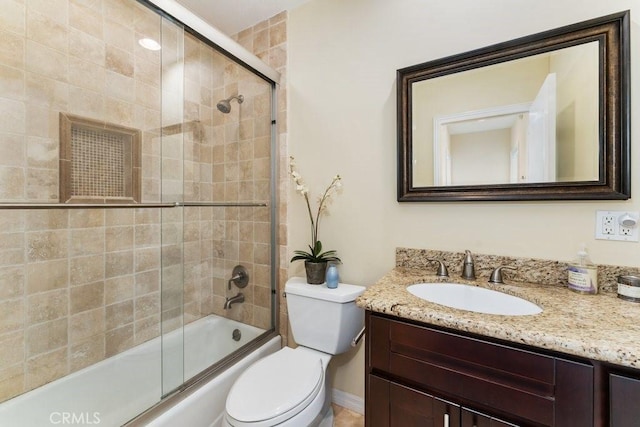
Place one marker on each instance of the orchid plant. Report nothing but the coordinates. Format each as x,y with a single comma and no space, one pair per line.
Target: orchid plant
315,253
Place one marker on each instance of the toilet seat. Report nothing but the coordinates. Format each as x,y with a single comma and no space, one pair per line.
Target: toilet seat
275,388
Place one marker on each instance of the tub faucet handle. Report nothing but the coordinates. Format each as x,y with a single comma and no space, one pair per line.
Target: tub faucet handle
442,269
239,277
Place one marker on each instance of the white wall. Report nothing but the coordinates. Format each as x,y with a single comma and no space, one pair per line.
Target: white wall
343,56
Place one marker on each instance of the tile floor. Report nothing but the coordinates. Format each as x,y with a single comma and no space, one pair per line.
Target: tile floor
344,417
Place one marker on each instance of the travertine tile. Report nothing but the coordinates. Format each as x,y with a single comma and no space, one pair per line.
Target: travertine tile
46,368
118,263
46,219
47,31
86,103
147,282
47,276
42,185
47,336
11,380
86,218
86,269
12,83
87,241
124,12
119,340
119,217
277,34
118,314
87,352
46,306
147,328
12,152
12,48
118,289
45,61
86,297
42,153
147,305
86,74
13,16
118,238
42,91
86,324
12,348
86,47
12,116
46,245
57,10
12,282
119,61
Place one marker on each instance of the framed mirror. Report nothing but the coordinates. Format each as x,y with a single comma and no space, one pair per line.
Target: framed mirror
542,117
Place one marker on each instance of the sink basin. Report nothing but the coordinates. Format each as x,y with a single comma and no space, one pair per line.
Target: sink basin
473,298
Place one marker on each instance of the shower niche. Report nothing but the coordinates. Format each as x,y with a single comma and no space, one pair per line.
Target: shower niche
99,162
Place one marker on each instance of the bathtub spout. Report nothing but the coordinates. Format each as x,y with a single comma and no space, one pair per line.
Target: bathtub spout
233,300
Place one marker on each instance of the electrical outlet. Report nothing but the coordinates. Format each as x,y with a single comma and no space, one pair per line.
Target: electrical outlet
608,225
617,225
625,231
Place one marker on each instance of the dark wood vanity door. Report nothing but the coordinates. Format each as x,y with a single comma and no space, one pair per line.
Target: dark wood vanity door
624,401
394,405
471,418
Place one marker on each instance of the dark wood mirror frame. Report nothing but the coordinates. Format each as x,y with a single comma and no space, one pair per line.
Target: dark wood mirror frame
614,183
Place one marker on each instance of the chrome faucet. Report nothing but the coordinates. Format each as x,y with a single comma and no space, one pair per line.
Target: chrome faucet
468,267
233,300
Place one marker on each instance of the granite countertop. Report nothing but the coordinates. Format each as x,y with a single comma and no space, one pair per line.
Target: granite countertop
600,327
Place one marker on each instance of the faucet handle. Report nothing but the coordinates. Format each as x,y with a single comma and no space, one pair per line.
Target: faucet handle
496,275
442,269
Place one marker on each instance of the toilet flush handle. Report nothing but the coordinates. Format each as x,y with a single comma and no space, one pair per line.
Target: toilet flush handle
356,340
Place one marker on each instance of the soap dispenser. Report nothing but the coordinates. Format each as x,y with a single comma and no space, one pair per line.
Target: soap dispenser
583,274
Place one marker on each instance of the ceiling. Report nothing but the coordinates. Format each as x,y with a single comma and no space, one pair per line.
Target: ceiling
232,16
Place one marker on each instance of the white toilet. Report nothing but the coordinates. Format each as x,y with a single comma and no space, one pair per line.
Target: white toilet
289,388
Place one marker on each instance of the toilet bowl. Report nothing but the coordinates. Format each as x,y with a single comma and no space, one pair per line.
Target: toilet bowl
290,388
287,388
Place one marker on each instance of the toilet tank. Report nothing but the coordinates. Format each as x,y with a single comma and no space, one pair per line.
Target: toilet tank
321,318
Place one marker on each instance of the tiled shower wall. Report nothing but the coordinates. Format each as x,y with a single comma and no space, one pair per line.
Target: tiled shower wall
77,286
268,41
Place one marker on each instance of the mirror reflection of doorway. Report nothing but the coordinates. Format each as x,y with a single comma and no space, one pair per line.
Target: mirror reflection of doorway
506,144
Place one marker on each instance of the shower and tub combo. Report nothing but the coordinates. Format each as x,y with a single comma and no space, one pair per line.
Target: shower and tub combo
129,200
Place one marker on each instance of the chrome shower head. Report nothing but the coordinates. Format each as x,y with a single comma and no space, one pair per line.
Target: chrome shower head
224,106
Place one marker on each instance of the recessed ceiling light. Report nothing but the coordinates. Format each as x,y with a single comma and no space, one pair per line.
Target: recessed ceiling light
150,44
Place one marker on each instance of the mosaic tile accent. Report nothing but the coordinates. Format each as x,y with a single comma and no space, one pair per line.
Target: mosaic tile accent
99,162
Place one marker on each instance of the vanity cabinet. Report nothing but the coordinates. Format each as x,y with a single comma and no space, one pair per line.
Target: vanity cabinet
410,407
624,400
420,375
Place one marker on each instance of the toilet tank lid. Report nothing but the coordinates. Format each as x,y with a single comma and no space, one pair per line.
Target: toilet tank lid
342,294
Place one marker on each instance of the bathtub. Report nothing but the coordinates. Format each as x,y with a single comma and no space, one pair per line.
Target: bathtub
115,390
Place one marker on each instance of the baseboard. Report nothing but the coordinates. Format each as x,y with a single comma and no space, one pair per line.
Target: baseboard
346,400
